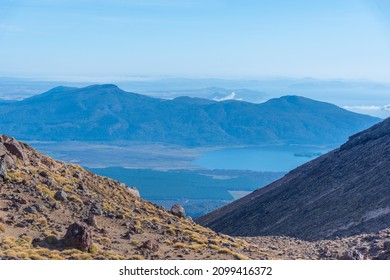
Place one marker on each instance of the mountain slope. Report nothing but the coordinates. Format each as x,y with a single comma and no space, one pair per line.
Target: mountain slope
53,210
105,112
342,193
42,199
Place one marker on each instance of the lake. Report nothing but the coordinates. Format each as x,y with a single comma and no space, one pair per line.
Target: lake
167,175
281,158
272,158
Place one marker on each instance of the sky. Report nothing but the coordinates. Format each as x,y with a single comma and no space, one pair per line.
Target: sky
77,39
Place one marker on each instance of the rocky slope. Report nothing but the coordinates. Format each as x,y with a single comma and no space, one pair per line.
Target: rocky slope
342,193
54,210
373,246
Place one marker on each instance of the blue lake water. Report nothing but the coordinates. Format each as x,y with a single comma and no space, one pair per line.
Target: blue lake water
265,158
279,158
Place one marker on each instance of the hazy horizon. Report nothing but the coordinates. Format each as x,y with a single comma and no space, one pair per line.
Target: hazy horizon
360,96
336,51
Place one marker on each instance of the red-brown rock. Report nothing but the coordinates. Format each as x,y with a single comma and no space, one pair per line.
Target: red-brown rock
78,236
151,245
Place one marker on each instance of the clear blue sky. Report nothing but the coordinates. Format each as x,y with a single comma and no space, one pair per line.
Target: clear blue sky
196,38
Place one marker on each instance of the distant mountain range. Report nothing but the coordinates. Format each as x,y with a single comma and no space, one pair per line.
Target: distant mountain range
105,113
342,193
212,93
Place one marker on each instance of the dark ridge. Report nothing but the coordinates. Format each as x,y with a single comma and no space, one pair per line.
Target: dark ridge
342,193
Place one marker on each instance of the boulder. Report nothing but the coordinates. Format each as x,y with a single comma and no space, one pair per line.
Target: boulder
3,170
109,215
78,236
22,224
39,207
21,200
50,182
43,174
30,209
91,220
51,239
151,245
96,209
135,230
354,255
55,206
120,216
3,150
8,161
81,186
127,235
15,149
61,196
178,211
132,190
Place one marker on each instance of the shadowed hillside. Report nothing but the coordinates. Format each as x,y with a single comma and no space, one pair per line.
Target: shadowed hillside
342,193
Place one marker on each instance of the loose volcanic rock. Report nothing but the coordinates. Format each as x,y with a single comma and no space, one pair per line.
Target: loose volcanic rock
151,245
132,190
61,196
178,211
91,220
3,170
30,209
78,236
14,147
39,207
386,245
96,209
3,150
354,255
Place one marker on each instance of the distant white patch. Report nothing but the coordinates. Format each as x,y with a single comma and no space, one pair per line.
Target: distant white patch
238,194
231,96
372,107
376,213
373,110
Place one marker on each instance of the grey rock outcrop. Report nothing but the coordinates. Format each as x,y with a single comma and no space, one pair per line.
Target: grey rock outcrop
3,170
178,211
9,144
61,196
